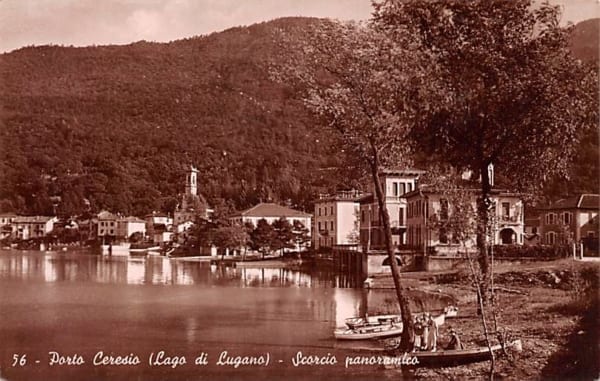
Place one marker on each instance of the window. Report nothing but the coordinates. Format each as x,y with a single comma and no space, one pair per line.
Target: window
567,217
551,238
325,210
443,235
506,209
410,187
402,188
319,211
401,217
550,218
534,230
331,211
362,216
443,209
319,225
331,224
395,189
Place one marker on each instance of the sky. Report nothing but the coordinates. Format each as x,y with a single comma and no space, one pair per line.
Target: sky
102,22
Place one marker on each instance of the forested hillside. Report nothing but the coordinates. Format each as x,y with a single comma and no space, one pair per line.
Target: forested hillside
118,126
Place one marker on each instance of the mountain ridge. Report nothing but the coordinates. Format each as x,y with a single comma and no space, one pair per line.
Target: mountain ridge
119,125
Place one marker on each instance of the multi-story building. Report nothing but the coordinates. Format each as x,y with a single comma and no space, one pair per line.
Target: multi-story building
570,220
159,227
114,227
427,208
107,225
28,227
337,219
396,184
7,227
126,226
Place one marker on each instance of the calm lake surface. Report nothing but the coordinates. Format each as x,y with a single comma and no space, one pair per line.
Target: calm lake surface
77,304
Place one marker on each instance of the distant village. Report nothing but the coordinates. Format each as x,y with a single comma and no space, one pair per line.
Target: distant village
348,219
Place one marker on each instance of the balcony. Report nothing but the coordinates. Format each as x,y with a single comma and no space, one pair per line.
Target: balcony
509,220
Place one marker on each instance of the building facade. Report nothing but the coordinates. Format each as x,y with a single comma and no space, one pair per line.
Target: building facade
337,219
396,184
7,227
569,220
29,227
427,210
271,213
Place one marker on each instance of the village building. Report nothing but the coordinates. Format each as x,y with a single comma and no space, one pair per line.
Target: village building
532,227
396,184
271,212
427,208
337,219
28,227
7,227
115,227
573,219
159,227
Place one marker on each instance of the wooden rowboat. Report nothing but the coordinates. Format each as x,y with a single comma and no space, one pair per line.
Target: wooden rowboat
460,356
384,328
356,322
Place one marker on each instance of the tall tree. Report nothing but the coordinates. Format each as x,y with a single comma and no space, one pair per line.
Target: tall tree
263,237
346,71
283,235
512,93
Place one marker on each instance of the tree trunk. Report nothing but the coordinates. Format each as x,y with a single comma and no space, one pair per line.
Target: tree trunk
407,338
482,230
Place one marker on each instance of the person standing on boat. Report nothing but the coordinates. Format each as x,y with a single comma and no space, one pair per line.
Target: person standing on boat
418,330
432,334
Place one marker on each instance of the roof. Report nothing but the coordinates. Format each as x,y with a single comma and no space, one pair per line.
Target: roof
271,210
401,171
430,190
581,201
133,219
32,219
105,215
353,196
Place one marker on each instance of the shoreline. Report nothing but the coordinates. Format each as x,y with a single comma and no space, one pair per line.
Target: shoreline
562,313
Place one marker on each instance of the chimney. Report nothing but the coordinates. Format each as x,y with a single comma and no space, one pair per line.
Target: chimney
491,174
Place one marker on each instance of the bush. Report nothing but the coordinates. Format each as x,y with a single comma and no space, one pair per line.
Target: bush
536,251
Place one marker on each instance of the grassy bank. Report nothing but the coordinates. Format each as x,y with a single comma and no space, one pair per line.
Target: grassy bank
552,307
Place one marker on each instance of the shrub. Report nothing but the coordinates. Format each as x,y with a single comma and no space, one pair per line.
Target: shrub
536,251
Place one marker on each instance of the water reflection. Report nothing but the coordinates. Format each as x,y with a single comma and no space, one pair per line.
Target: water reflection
85,267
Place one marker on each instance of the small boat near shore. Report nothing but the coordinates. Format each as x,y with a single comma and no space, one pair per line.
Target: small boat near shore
355,322
379,327
452,357
141,249
121,249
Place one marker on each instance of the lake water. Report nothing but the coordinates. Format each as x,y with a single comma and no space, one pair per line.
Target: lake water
75,304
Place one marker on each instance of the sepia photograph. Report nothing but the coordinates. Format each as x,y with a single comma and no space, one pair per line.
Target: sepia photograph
299,190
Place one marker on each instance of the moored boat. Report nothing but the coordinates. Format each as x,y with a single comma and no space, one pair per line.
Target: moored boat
386,326
451,357
366,332
121,249
359,321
